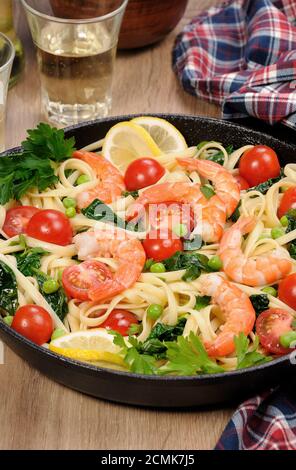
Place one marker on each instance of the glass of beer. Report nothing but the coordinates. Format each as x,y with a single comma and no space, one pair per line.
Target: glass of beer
76,43
6,61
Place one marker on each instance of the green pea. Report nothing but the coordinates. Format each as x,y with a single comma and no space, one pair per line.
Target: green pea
277,232
82,179
270,291
284,221
58,333
70,212
154,311
215,263
69,202
287,338
180,230
50,286
157,268
8,320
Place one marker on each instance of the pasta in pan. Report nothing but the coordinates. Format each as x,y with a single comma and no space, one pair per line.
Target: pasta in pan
228,252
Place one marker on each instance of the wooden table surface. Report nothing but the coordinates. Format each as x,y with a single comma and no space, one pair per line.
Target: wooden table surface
38,413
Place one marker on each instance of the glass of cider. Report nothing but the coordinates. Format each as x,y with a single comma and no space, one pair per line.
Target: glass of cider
6,60
76,43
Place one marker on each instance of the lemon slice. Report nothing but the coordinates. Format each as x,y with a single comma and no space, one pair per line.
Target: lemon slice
164,134
125,142
90,345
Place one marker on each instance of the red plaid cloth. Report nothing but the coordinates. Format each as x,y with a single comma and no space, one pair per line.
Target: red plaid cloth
242,55
266,422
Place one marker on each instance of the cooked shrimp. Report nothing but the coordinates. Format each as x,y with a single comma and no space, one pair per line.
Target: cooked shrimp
236,308
253,271
223,181
212,210
111,243
110,185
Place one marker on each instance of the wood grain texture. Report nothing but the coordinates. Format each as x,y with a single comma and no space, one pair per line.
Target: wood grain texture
38,413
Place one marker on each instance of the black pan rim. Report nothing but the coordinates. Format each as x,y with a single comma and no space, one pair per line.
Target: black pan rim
107,372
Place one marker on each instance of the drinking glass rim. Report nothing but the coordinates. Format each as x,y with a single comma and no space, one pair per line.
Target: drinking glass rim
72,20
12,52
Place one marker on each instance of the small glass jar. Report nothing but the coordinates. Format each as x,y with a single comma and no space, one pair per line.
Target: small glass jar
7,27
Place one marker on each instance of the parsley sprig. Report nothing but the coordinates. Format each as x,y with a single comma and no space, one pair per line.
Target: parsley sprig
245,356
33,166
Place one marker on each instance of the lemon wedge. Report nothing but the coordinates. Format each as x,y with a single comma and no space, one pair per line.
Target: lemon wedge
127,141
165,135
90,346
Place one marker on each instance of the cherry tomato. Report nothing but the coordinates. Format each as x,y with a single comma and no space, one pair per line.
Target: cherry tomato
270,325
259,164
17,219
243,184
34,323
287,290
120,320
142,172
50,226
159,247
170,214
80,278
288,202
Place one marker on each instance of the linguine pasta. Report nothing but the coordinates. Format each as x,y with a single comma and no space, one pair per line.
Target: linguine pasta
176,296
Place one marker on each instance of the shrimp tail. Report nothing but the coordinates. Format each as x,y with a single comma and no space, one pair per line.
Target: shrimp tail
246,224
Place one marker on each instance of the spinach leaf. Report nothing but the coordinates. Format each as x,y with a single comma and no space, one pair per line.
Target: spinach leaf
57,300
194,244
219,156
264,187
99,211
134,194
202,144
29,260
164,332
194,263
291,216
207,191
202,302
8,289
236,214
260,303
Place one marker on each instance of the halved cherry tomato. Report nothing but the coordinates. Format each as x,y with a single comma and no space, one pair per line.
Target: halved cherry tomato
270,325
288,202
287,290
243,184
259,164
34,323
120,320
50,226
142,172
159,247
78,279
17,219
170,214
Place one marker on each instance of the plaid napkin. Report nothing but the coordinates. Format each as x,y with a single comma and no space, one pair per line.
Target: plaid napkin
266,422
242,55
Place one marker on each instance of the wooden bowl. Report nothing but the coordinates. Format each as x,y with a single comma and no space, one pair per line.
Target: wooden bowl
148,21
82,9
145,21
